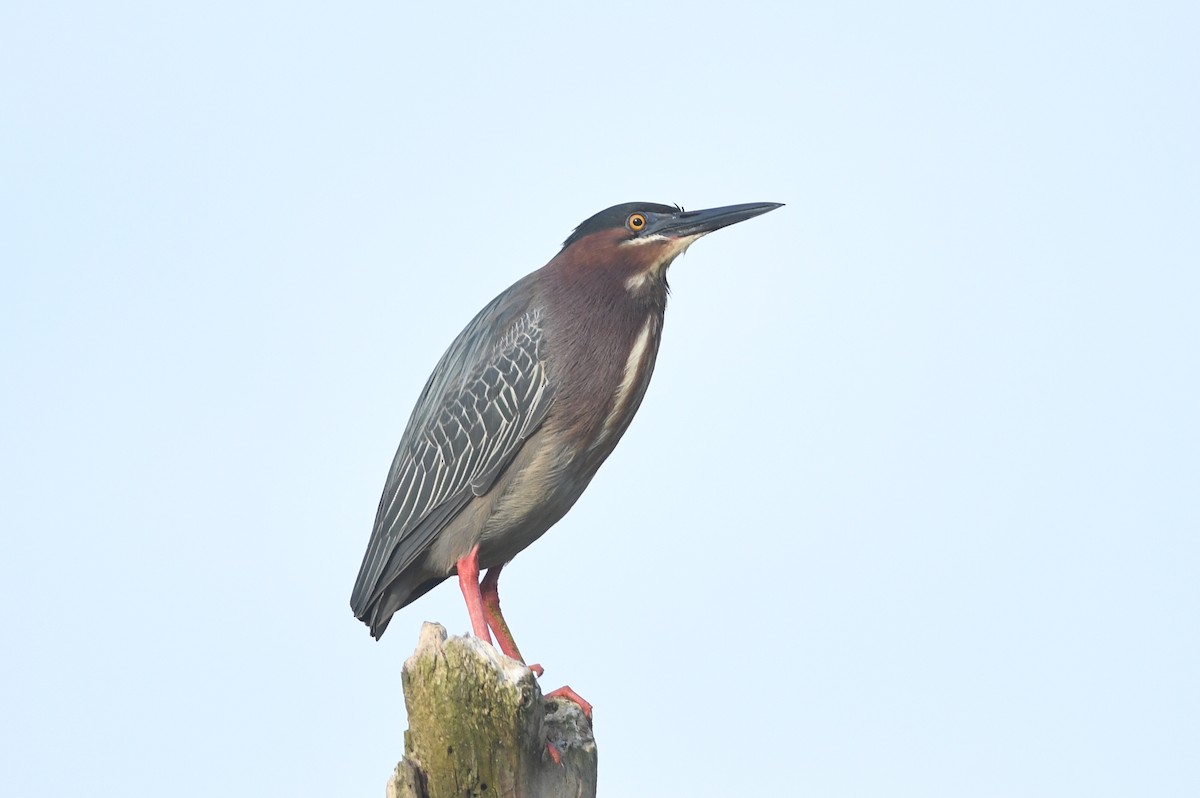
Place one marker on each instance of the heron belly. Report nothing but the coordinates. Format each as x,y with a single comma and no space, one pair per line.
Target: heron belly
542,489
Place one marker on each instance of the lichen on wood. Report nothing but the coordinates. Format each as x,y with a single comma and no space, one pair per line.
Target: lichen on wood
479,726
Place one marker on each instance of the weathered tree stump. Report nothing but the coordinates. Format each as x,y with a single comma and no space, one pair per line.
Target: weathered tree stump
478,726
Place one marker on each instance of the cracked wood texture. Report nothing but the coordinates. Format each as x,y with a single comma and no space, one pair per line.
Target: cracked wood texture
478,727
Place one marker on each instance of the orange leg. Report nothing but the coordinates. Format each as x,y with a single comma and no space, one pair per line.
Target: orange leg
468,582
490,597
489,589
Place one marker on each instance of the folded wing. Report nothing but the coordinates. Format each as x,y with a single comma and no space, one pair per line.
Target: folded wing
488,394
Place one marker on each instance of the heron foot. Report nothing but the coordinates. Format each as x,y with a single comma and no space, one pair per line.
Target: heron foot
566,692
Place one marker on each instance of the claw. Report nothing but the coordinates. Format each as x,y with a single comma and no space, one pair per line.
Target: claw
566,692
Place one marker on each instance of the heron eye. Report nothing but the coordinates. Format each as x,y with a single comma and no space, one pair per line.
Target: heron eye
636,222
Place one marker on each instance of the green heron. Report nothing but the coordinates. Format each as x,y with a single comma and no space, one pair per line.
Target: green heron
522,409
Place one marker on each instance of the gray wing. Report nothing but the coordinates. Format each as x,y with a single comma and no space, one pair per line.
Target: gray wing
486,396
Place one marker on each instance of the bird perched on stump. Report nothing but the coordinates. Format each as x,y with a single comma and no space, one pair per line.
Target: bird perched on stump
523,408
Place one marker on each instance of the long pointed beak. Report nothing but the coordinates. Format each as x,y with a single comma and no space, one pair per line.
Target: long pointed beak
695,223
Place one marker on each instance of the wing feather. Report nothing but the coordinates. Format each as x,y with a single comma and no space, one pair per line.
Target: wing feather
489,393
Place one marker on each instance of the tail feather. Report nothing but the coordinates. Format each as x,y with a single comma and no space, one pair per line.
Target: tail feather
378,613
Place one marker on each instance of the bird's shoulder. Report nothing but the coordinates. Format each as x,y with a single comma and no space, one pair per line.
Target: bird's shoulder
505,338
489,392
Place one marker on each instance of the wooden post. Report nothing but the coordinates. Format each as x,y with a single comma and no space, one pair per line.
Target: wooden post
478,726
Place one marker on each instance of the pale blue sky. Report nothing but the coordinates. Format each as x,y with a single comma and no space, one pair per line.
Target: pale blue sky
910,508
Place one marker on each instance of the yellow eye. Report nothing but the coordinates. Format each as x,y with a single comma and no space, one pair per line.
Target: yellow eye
636,222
